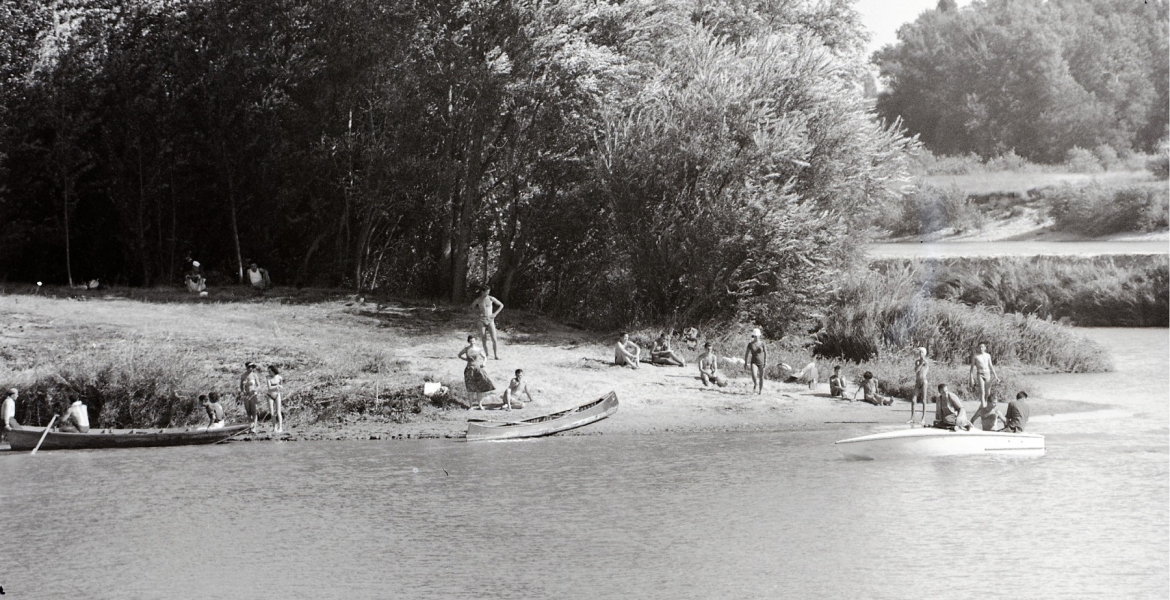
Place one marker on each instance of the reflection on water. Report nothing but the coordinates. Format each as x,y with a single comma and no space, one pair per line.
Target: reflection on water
984,249
760,515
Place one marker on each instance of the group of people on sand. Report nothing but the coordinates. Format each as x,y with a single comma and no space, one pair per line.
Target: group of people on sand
252,383
256,277
475,376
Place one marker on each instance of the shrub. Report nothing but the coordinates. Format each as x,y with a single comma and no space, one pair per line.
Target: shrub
1159,165
1095,210
1080,160
928,209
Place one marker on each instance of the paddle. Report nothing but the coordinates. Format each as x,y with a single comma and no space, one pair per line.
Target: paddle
498,421
44,435
242,431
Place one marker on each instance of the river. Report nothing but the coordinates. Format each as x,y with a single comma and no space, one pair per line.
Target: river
728,515
1008,248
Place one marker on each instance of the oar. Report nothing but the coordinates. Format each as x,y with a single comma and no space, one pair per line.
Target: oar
498,421
242,431
44,435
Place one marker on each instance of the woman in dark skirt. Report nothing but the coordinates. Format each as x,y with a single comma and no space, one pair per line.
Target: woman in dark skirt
474,377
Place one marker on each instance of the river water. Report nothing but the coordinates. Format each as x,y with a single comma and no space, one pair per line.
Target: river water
1008,248
747,515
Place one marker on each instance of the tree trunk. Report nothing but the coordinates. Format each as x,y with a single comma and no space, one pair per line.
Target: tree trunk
232,205
468,204
68,259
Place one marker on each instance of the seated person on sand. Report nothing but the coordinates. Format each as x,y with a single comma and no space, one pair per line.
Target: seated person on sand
512,393
869,387
948,410
214,410
691,337
258,278
1017,414
626,353
806,375
837,383
662,354
75,419
709,367
194,279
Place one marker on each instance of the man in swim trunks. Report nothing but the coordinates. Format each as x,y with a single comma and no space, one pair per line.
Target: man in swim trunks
662,354
626,353
76,418
949,411
869,389
214,410
837,383
709,367
982,370
516,387
921,370
1017,414
485,305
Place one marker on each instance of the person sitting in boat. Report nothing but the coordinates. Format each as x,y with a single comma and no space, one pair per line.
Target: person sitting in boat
1017,414
662,354
214,410
8,410
837,383
626,353
512,393
869,391
949,412
75,419
709,367
986,415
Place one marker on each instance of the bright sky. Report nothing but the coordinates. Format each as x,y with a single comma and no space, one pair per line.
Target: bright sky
884,17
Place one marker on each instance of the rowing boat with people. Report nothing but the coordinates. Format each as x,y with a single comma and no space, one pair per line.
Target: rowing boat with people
578,416
930,441
26,438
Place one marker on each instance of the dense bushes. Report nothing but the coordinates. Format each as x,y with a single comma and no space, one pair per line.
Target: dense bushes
928,209
1095,210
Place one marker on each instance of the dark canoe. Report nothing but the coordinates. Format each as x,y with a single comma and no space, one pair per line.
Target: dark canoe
583,414
26,438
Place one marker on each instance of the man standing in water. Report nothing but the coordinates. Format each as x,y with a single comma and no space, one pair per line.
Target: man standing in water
485,304
983,370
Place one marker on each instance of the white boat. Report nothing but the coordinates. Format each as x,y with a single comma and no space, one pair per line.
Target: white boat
928,441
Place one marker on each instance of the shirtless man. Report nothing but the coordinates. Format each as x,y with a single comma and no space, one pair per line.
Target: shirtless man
626,353
485,305
663,355
921,370
986,415
250,383
709,367
76,418
949,411
981,366
214,410
8,410
837,383
516,387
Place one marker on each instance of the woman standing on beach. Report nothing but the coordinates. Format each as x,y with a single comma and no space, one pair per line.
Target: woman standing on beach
756,360
474,377
275,396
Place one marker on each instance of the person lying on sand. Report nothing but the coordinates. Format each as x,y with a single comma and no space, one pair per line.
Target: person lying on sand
214,410
76,418
513,391
663,355
709,367
949,412
626,353
869,391
806,375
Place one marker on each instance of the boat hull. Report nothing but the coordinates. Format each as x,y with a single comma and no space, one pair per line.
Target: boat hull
578,416
928,441
26,438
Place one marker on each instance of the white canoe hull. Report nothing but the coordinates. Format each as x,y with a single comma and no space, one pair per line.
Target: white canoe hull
928,441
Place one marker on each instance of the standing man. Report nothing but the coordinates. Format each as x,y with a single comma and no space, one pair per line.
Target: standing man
983,370
626,353
486,305
250,383
8,410
76,418
921,370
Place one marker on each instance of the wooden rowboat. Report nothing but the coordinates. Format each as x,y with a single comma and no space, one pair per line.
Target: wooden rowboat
584,414
929,441
26,438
